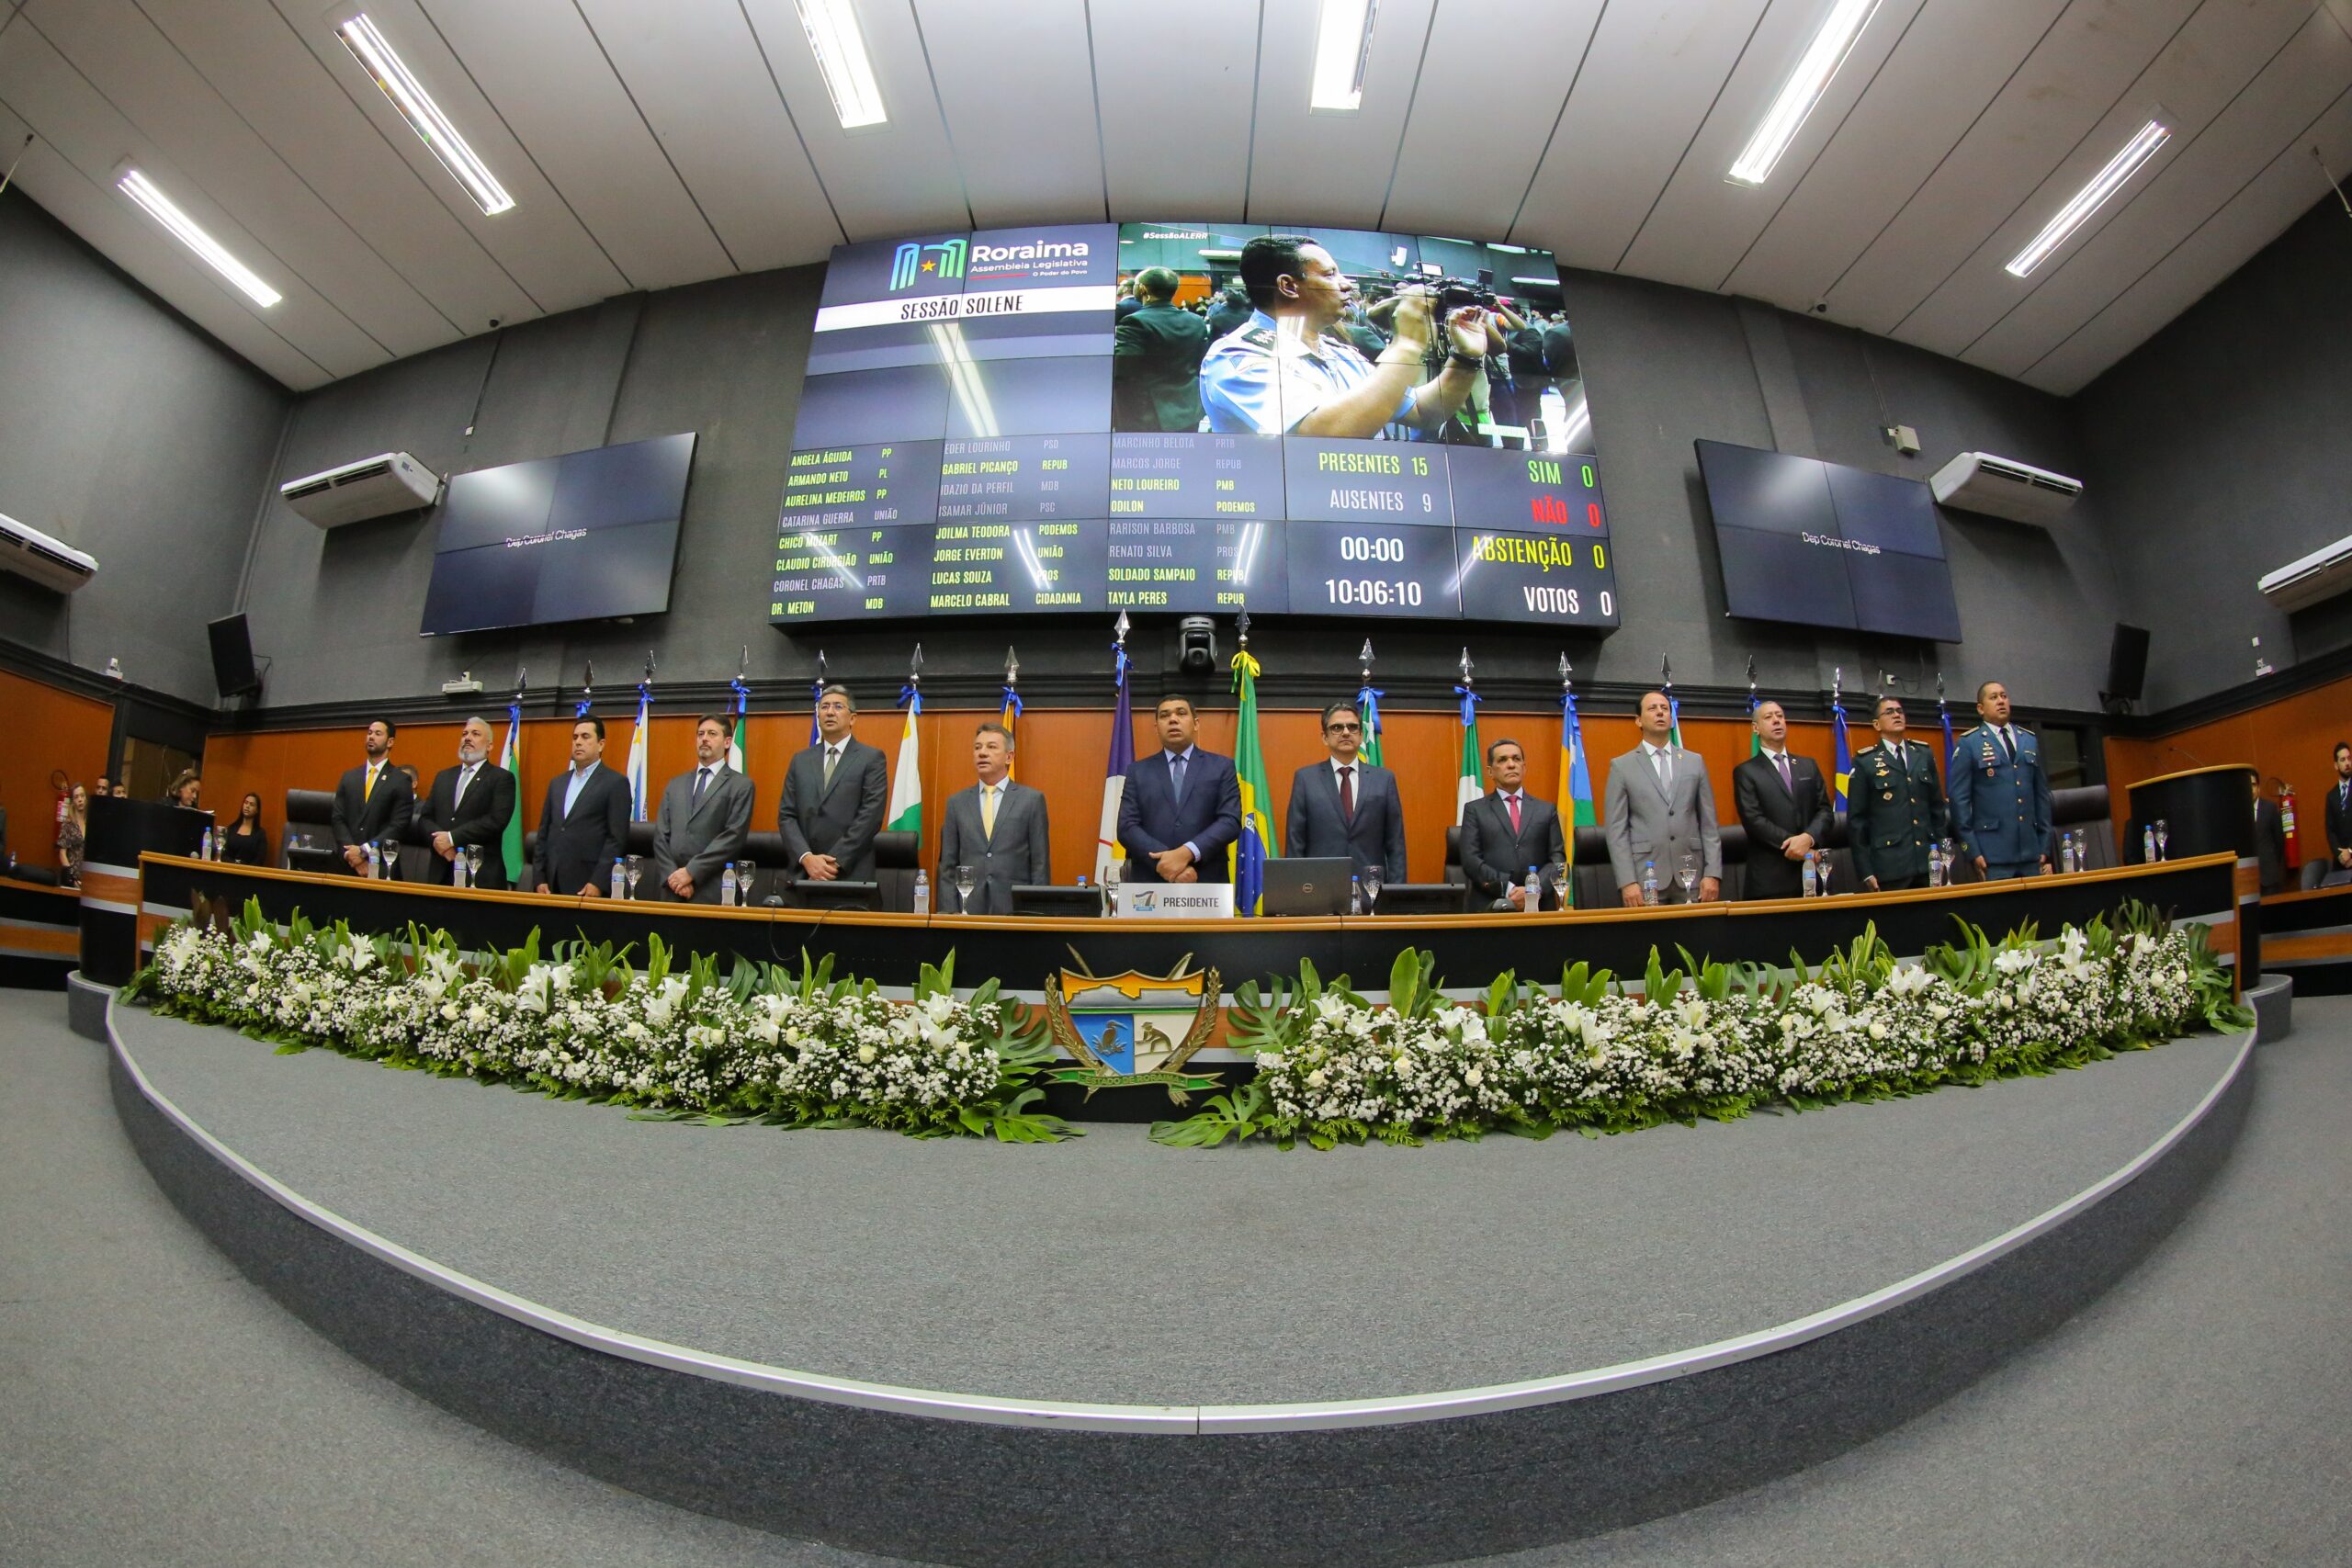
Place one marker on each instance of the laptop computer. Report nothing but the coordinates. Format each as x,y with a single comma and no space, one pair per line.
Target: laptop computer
1301,885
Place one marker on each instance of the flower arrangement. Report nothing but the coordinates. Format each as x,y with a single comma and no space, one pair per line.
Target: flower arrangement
1716,1042
796,1049
803,1049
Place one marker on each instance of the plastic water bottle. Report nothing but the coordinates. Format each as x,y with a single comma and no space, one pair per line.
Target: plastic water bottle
376,869
727,886
620,880
1355,895
1649,882
922,891
2066,852
457,870
1534,886
204,851
1812,875
2148,844
1936,872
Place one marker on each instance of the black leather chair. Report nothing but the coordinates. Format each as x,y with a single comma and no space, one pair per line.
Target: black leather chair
307,841
897,857
2085,813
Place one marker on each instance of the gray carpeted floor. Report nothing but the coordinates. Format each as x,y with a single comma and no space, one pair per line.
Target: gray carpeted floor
1111,1270
155,1408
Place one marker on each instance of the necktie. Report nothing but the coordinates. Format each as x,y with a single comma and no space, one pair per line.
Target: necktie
369,788
1176,780
832,755
1664,764
1348,795
2010,744
464,777
1781,761
1512,801
987,811
701,780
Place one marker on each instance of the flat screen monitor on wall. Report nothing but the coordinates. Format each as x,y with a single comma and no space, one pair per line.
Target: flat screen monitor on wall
1823,545
582,536
984,429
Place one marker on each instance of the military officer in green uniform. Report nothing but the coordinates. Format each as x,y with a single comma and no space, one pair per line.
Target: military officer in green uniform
1156,359
1894,805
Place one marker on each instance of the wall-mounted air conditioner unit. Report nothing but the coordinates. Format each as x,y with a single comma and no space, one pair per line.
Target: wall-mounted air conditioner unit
2003,486
2322,575
374,487
53,563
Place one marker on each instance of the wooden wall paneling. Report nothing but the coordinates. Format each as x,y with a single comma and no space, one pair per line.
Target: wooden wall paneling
2293,737
50,729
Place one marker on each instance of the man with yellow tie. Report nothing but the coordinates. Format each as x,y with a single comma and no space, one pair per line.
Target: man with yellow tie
997,827
373,803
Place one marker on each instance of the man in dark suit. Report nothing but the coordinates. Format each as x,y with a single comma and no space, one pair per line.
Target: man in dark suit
470,803
585,823
1782,803
1895,806
1344,806
2269,842
997,827
2339,813
373,801
1506,831
1156,359
2000,796
833,796
704,822
1181,810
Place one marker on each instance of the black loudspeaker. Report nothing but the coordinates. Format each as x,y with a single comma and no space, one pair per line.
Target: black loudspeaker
2126,664
232,657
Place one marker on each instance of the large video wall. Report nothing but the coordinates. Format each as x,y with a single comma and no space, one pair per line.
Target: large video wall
986,429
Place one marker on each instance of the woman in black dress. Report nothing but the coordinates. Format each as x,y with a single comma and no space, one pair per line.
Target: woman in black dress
245,842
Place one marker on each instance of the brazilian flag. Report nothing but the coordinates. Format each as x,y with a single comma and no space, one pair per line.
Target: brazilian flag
1256,845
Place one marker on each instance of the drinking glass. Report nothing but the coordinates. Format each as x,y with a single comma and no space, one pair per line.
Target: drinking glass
743,870
387,854
1686,875
2163,833
1561,875
473,865
1370,883
962,877
636,870
1110,875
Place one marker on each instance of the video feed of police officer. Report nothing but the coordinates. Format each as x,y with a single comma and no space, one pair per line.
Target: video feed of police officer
1346,334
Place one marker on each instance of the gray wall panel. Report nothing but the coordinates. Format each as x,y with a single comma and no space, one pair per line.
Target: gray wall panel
132,436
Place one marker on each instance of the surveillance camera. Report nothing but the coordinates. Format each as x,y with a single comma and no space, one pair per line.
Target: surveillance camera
1197,639
1821,307
495,322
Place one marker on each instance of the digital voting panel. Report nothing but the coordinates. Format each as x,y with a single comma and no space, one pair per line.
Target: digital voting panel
984,430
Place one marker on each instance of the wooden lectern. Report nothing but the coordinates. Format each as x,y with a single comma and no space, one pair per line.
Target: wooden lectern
2207,811
120,831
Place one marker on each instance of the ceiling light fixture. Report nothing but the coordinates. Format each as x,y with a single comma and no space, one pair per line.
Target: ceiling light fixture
160,207
1342,45
2092,197
839,49
1802,90
376,56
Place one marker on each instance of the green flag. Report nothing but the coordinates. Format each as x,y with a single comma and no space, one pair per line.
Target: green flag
510,846
1247,867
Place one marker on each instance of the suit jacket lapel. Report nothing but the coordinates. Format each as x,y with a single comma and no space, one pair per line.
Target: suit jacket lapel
709,791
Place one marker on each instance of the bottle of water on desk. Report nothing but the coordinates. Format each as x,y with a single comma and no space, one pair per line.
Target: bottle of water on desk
620,882
1355,895
1649,882
1936,872
1812,873
2067,854
204,849
2148,844
1534,886
727,894
375,870
922,892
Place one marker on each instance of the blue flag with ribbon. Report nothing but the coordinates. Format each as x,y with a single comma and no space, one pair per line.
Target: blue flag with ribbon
1845,756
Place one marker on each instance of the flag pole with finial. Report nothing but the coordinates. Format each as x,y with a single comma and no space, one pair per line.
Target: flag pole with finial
1011,706
1471,783
1368,707
1107,852
905,813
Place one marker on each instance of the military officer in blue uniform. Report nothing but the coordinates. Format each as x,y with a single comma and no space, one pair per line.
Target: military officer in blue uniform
2000,796
1283,373
1895,810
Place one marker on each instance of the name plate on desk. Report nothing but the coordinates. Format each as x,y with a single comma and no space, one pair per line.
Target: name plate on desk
1176,901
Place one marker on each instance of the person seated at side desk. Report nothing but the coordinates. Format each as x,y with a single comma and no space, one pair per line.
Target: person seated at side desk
243,842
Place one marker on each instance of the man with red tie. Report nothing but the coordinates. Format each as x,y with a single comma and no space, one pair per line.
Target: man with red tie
1345,806
1506,830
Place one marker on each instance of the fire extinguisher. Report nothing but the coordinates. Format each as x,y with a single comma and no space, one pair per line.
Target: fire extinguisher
64,788
2286,827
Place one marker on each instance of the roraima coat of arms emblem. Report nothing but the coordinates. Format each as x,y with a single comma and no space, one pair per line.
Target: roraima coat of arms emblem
1132,1027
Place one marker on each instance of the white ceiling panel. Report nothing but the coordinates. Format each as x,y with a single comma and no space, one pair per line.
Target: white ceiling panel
2273,199
2204,66
1331,170
1016,84
889,179
127,237
254,61
113,44
1703,223
696,75
1644,89
1175,121
544,70
1495,65
1948,67
2092,54
2292,91
65,112
539,242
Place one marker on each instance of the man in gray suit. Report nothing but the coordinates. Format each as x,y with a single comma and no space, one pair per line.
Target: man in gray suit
1344,806
833,796
997,827
705,820
1660,805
